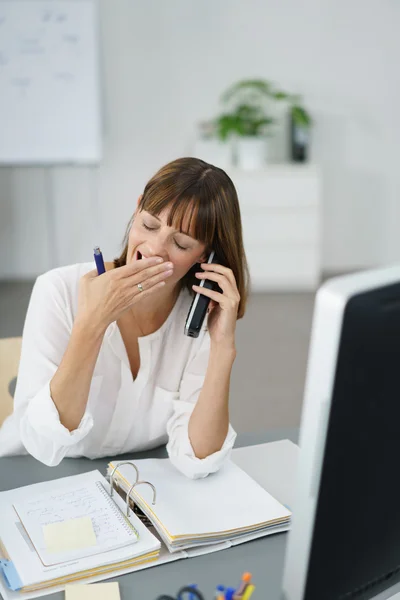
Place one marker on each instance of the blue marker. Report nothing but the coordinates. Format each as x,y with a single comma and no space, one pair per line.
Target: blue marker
229,592
98,257
219,592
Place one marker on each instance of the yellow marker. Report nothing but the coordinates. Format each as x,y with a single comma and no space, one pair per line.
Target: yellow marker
248,592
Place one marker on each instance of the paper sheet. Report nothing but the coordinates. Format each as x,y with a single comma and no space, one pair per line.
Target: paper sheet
93,591
209,506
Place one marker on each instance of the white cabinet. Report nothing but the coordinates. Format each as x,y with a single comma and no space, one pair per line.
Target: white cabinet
280,208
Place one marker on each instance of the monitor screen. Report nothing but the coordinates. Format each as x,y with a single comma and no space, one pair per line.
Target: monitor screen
345,538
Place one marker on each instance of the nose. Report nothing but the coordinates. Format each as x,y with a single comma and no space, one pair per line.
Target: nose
157,247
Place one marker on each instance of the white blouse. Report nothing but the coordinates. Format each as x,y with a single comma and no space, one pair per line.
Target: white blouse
122,414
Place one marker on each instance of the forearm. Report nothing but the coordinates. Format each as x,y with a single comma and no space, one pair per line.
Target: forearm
209,422
70,385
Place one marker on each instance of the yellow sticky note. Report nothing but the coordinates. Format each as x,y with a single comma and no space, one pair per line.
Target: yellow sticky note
92,591
69,535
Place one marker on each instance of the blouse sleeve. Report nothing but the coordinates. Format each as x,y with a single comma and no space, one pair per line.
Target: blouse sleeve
179,447
46,334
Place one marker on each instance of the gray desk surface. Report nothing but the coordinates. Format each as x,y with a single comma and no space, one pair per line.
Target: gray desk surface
264,557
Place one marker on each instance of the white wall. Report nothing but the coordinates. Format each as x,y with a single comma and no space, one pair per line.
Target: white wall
164,66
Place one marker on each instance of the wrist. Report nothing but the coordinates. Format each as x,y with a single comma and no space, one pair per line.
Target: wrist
89,328
225,351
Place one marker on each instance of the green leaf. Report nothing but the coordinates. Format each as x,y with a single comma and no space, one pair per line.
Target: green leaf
262,124
281,96
227,125
247,111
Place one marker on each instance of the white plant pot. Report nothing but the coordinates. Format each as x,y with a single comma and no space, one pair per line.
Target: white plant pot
251,152
215,152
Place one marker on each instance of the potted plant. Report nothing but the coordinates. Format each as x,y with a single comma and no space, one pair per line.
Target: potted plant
249,119
246,124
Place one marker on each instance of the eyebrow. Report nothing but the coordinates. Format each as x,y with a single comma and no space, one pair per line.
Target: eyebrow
176,230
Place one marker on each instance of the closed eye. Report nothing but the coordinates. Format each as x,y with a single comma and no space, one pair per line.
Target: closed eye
180,247
149,228
155,228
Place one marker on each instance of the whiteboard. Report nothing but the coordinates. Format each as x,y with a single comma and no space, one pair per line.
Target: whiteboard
49,82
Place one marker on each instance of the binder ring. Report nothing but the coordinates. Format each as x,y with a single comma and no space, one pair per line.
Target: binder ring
131,488
115,468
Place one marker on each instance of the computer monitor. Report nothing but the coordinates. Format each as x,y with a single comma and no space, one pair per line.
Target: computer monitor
344,543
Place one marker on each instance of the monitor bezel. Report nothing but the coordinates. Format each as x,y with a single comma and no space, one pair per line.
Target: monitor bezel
329,308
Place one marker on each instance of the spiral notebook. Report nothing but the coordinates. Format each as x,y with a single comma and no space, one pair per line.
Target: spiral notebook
28,565
86,513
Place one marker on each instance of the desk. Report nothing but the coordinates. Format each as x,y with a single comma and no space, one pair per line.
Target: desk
263,557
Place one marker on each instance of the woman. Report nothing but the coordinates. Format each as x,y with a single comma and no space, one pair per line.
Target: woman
105,366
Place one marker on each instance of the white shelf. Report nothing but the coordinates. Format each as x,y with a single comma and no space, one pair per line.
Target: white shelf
280,207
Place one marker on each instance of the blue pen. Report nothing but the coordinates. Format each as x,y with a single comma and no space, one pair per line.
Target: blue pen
219,592
98,257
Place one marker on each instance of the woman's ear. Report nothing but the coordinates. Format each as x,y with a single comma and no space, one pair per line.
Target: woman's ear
139,199
204,257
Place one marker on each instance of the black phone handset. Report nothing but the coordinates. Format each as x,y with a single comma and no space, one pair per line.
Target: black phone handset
199,305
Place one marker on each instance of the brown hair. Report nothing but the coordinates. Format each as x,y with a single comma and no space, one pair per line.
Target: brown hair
194,189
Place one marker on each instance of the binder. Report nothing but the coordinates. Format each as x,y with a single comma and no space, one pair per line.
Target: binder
226,508
142,501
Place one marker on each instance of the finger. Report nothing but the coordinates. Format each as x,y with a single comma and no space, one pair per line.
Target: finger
147,273
220,269
222,281
147,292
224,301
137,266
216,296
211,306
138,283
90,274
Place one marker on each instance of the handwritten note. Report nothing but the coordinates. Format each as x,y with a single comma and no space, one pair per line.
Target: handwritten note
69,535
93,591
71,523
